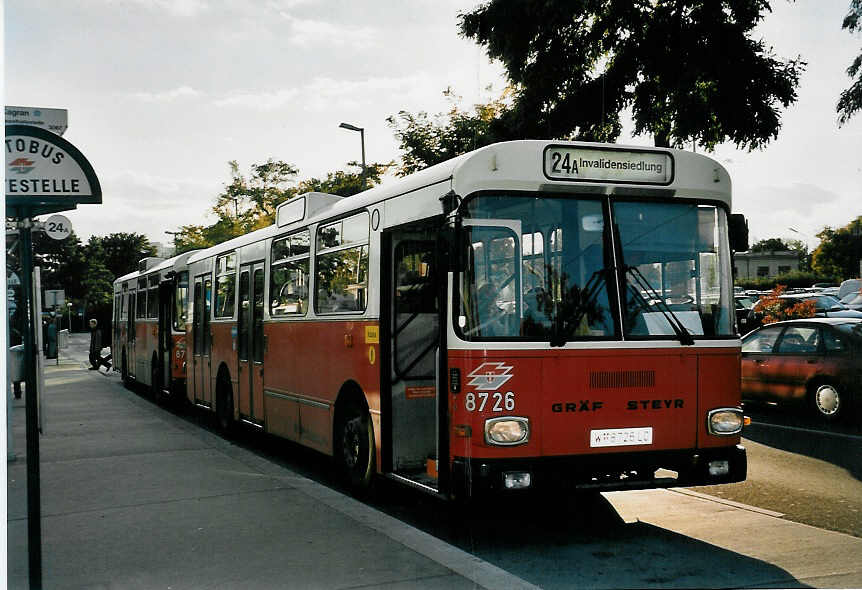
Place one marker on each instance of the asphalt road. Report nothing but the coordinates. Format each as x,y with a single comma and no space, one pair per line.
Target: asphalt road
797,466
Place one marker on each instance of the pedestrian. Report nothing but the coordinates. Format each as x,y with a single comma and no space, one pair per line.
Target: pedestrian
95,345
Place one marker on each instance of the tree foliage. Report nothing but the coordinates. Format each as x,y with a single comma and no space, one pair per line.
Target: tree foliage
850,101
840,251
689,69
248,202
120,252
426,140
770,245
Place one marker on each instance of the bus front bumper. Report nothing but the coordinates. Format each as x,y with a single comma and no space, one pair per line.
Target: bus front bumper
607,472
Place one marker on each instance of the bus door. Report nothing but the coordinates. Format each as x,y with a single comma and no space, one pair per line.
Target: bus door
412,319
165,339
250,343
130,334
201,363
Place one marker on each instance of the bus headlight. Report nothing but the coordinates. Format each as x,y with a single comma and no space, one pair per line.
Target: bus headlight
725,421
507,431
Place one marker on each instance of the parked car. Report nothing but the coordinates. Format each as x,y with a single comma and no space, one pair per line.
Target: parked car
744,310
825,306
817,361
849,286
853,301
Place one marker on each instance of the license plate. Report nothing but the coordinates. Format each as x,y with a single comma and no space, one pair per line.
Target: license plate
621,437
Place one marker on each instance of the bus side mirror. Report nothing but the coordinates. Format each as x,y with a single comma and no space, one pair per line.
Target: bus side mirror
449,246
737,229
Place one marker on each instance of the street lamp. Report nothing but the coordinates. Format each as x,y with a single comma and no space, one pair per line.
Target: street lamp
174,234
361,131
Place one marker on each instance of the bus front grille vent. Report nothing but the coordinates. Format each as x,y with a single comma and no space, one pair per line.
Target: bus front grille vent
621,379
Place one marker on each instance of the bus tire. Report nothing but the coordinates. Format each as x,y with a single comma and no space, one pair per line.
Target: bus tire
124,369
354,447
827,400
224,404
156,389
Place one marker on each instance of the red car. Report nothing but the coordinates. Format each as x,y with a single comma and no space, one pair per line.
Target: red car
817,361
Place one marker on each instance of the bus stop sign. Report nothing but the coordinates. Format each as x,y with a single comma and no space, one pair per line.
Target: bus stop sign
45,173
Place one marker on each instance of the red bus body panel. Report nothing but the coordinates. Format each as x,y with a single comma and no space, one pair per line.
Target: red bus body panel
566,394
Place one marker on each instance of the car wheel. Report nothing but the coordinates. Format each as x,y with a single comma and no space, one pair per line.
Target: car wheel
827,401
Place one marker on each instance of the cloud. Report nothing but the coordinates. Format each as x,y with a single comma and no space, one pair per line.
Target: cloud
261,101
322,94
166,96
307,32
800,198
177,8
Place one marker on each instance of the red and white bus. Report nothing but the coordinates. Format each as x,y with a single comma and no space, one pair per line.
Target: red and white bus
532,314
149,325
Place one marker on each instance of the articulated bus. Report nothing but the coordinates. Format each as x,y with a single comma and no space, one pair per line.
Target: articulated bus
529,315
149,325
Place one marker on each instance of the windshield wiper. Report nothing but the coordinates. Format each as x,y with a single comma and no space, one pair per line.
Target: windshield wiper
685,337
589,292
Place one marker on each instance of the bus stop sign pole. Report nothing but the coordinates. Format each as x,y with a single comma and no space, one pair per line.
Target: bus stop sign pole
44,174
34,512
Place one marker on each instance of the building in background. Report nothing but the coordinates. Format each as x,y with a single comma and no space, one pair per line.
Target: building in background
765,265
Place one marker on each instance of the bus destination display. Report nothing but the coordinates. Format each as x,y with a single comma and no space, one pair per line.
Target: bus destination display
607,165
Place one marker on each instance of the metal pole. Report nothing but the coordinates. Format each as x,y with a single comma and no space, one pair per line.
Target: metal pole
34,513
362,139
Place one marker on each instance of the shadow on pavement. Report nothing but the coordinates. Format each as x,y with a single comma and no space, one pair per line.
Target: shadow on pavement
580,542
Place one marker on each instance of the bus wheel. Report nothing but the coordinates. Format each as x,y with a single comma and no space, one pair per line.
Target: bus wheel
124,369
354,450
224,405
827,401
156,383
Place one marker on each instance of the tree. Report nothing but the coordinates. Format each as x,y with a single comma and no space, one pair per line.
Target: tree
425,140
344,183
801,249
840,251
850,101
770,245
119,252
62,263
689,69
249,202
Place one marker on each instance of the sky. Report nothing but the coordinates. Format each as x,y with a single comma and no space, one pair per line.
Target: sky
162,94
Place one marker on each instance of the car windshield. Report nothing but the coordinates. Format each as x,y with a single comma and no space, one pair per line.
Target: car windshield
854,329
852,299
542,269
744,303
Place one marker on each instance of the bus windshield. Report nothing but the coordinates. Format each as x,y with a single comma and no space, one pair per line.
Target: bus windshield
543,269
677,269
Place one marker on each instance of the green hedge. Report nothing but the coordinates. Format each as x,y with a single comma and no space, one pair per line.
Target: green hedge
793,280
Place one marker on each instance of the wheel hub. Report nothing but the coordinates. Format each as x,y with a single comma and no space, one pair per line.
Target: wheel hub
827,400
351,443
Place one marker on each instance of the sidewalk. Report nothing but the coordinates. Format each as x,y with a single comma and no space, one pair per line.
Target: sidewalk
135,497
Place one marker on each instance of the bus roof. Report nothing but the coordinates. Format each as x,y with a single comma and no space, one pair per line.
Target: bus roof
523,165
170,263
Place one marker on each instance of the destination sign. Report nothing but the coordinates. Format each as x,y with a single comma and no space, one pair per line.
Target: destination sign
608,165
